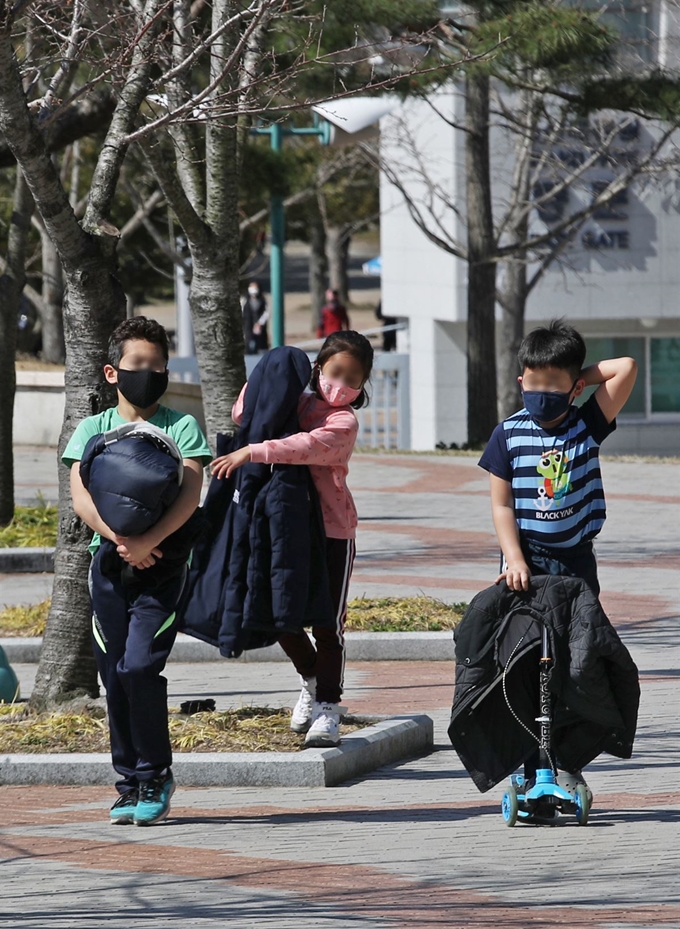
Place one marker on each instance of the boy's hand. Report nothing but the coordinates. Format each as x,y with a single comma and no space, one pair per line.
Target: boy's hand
516,576
227,464
137,550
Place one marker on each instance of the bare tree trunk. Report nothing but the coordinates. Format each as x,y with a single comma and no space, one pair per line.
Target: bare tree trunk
94,305
52,316
212,233
515,291
318,266
513,302
218,336
337,244
481,300
11,286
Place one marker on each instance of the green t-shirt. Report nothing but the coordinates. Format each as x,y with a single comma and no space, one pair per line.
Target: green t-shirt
182,427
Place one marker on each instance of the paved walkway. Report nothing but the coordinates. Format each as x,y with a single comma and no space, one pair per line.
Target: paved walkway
413,845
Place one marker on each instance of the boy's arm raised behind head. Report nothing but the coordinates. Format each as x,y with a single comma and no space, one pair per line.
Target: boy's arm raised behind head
616,377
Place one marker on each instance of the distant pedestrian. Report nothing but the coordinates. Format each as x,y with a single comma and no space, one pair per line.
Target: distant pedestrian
255,319
389,338
334,316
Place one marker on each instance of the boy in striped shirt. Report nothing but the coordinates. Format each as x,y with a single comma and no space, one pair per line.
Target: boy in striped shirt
547,497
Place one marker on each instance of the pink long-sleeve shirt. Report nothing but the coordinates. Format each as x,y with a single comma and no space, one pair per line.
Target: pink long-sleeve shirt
325,446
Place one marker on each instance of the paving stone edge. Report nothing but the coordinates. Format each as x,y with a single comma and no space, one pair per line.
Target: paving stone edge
384,742
361,646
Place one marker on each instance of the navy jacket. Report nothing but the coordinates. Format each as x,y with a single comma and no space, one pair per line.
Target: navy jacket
593,681
133,474
260,570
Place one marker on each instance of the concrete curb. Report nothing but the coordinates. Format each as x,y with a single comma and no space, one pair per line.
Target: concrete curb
385,742
361,646
26,560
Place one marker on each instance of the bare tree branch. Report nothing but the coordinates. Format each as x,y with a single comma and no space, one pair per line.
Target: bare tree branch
131,97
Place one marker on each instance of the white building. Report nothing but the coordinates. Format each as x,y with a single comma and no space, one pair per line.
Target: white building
620,287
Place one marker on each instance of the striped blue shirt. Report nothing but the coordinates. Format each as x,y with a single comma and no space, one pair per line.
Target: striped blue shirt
555,474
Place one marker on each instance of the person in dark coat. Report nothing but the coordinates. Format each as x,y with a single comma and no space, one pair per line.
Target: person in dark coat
255,320
593,681
389,337
259,572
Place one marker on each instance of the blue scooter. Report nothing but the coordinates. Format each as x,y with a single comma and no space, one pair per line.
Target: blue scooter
540,801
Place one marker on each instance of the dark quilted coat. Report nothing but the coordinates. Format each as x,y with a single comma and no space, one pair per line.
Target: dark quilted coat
260,571
594,681
132,481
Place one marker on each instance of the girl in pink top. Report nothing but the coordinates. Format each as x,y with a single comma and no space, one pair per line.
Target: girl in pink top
326,414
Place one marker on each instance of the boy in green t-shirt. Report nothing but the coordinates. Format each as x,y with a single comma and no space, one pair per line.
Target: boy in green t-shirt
133,626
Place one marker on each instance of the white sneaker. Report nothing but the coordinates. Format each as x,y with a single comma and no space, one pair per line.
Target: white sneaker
325,727
301,719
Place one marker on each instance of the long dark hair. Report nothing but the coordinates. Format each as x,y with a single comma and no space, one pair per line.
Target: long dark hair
354,344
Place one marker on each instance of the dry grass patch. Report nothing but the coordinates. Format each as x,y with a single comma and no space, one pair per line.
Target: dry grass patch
24,620
388,614
32,527
248,729
408,614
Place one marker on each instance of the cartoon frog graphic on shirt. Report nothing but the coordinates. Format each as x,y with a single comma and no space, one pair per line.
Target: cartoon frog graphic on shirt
556,484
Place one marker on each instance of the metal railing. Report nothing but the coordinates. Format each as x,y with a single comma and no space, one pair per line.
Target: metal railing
384,423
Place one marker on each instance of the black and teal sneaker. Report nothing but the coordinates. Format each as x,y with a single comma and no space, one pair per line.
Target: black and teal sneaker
153,804
123,810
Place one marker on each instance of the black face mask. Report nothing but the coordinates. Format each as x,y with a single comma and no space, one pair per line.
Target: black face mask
142,388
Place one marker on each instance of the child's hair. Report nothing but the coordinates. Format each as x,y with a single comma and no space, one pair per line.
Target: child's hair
354,344
556,345
138,327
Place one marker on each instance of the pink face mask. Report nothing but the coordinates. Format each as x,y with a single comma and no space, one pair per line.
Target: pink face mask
335,393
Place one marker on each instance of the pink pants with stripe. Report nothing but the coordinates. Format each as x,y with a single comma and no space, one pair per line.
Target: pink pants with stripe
326,661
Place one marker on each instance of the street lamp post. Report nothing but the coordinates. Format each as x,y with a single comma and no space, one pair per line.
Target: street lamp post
337,123
276,132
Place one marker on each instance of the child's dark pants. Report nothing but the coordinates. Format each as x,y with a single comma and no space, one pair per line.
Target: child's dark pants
133,631
326,662
578,561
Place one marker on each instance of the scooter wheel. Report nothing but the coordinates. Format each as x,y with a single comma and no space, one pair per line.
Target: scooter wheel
510,806
582,805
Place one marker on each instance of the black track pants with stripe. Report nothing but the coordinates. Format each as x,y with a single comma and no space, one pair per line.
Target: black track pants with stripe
326,661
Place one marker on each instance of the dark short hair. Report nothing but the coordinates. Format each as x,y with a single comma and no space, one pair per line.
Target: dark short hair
356,345
138,327
556,345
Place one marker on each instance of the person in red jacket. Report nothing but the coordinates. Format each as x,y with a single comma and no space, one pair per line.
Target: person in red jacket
334,316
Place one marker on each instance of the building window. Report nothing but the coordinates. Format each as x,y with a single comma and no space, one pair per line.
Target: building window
631,20
657,388
599,348
664,358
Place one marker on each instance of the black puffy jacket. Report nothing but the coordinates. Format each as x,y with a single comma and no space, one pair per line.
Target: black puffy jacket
260,571
593,680
133,474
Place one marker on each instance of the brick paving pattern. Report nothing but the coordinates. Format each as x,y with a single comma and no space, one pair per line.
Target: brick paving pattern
411,845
